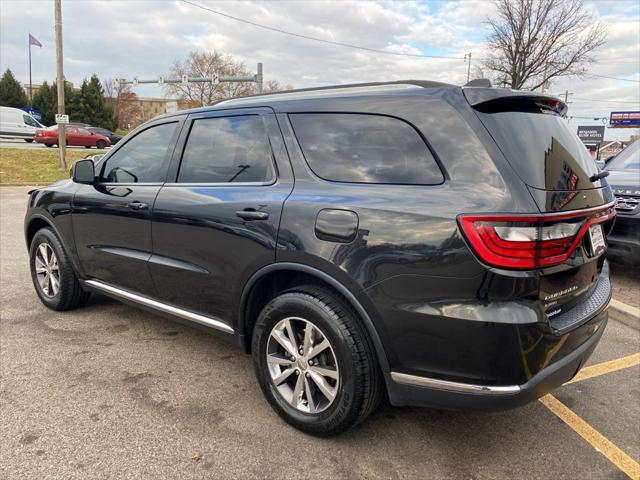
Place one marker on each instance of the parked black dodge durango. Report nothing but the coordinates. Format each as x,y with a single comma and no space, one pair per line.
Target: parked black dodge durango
439,245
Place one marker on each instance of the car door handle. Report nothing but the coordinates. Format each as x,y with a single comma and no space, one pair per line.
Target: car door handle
137,205
252,215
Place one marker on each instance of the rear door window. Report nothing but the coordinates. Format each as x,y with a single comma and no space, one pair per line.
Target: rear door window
233,149
364,148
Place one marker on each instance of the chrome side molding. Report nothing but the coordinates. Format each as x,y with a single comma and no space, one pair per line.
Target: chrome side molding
454,386
162,307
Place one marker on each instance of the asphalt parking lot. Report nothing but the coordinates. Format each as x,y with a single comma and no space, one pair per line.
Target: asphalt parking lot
108,391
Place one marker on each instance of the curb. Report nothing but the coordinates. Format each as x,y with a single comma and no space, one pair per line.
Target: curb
624,313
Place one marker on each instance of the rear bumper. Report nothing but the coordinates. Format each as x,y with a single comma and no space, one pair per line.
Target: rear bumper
427,392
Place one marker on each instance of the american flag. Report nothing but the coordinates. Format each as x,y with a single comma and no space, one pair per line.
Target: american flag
34,41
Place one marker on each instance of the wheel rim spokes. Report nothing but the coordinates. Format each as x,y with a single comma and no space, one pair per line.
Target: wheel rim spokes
302,365
47,270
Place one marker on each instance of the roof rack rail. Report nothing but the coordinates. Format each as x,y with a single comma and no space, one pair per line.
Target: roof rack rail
417,83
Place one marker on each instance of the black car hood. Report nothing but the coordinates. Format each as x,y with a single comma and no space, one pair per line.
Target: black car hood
625,179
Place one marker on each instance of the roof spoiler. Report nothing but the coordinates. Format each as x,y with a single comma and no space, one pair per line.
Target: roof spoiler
479,82
492,100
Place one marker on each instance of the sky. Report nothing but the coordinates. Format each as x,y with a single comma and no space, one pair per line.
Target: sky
142,38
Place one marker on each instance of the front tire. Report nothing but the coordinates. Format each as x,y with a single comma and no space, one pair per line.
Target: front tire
53,276
314,361
100,144
49,145
28,140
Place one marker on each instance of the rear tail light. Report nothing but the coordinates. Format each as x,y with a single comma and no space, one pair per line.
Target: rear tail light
529,241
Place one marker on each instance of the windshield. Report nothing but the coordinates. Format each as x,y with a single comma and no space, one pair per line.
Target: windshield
628,159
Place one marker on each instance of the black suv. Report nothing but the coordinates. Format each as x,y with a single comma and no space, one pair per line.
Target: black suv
439,245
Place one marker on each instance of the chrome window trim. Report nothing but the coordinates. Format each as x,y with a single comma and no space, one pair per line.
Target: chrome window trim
129,184
437,384
219,184
162,307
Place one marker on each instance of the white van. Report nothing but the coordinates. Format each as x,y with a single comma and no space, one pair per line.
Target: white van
15,123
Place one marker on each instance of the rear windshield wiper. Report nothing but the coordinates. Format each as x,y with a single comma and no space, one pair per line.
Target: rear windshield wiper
599,176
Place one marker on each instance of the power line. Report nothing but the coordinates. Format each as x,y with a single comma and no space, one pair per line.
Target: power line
605,101
612,78
316,39
349,45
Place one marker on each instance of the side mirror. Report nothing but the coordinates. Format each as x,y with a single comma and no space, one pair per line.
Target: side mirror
84,172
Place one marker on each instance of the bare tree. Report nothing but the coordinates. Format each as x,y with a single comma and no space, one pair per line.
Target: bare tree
205,64
124,102
533,41
273,86
208,64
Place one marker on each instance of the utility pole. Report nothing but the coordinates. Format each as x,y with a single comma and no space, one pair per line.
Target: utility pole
468,55
259,78
566,96
62,141
545,85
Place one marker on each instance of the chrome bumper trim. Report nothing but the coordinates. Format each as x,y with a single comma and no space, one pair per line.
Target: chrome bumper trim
454,386
162,307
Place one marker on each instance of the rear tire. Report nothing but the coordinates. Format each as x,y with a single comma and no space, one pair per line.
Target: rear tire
346,368
53,277
100,144
48,145
87,146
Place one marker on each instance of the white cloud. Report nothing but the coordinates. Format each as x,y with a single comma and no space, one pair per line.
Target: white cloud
143,38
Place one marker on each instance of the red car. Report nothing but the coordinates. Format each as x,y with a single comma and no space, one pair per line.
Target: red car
76,136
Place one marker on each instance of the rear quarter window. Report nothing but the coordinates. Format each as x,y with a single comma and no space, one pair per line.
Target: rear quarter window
364,148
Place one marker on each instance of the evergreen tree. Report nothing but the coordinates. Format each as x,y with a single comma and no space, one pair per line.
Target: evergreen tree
46,101
11,93
89,105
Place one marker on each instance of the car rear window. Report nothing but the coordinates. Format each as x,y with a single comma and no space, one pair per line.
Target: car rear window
542,149
364,148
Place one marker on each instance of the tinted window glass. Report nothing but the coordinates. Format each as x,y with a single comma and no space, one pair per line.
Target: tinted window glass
30,121
542,149
143,159
628,159
347,147
227,149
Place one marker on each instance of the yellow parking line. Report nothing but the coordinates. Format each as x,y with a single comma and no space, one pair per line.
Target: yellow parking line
606,367
616,456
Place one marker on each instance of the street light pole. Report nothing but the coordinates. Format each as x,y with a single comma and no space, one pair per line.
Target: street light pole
62,141
468,55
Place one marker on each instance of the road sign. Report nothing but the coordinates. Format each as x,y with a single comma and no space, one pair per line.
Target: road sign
624,119
591,134
61,118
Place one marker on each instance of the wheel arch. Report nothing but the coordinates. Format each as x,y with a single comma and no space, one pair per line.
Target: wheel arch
38,221
35,223
249,293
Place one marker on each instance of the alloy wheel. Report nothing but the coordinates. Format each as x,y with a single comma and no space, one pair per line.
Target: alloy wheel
47,270
302,365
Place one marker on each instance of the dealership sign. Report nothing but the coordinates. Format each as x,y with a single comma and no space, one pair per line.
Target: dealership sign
625,119
591,134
